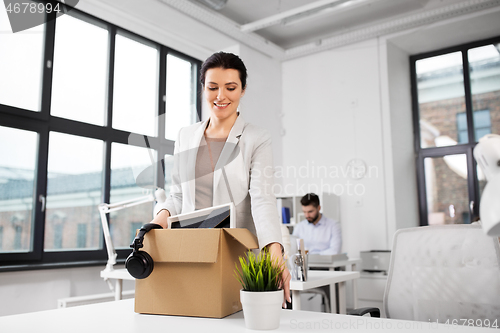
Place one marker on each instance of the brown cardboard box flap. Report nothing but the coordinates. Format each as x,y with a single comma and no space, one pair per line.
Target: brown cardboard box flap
245,237
183,245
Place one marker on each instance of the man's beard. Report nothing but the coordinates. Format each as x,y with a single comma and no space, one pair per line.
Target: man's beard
314,219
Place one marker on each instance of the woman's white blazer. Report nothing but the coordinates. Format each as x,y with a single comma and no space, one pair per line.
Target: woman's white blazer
243,174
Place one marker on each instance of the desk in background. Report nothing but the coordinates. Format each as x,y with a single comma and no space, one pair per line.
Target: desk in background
120,317
347,265
317,279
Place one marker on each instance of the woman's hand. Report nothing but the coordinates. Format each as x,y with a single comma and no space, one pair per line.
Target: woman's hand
275,251
161,218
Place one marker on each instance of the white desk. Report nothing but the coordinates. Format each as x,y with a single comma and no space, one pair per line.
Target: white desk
122,274
317,279
120,317
347,265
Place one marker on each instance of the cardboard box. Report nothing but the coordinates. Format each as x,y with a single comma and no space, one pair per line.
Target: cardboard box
193,272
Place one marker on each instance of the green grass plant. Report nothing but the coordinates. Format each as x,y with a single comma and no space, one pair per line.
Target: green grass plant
259,272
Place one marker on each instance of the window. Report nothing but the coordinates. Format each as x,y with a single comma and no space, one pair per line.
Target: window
81,236
456,94
446,189
135,81
85,44
17,186
125,174
58,236
181,95
22,65
73,189
482,125
80,103
441,97
134,226
18,237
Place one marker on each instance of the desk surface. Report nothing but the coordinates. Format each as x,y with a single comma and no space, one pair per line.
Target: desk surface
119,316
317,279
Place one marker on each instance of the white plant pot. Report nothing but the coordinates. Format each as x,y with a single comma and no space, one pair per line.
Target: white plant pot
262,310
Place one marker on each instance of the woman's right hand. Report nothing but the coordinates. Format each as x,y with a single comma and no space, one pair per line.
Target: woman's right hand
162,218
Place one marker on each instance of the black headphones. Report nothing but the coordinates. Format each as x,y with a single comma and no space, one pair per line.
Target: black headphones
139,263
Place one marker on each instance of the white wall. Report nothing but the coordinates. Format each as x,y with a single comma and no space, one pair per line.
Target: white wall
401,183
29,291
261,104
332,114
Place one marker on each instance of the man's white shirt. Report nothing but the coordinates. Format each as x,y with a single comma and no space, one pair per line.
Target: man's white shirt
323,238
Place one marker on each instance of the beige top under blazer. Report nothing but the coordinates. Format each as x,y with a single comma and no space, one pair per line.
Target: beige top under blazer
250,178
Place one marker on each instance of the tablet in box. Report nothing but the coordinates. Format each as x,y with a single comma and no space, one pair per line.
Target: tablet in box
193,272
221,216
216,218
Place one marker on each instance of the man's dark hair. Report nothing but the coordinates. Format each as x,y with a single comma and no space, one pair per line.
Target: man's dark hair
310,199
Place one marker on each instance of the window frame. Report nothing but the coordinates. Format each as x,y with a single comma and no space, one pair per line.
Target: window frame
460,148
43,123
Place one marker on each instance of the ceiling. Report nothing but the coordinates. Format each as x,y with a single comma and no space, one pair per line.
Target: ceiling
297,22
287,29
291,28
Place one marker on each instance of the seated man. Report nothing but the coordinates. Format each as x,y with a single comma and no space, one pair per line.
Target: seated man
321,235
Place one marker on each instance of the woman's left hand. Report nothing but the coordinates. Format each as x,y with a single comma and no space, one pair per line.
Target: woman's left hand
275,251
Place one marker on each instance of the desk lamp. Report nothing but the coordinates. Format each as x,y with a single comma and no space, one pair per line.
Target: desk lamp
487,155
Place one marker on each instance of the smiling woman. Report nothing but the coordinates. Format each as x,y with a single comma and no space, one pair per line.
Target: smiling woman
223,91
229,159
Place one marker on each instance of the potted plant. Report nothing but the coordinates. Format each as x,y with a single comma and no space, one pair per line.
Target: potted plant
262,294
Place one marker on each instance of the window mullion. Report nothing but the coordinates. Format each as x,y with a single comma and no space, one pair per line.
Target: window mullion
422,197
48,62
106,193
468,98
472,181
162,95
38,214
111,72
40,195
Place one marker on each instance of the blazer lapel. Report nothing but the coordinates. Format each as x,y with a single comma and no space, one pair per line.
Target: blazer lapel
194,144
230,148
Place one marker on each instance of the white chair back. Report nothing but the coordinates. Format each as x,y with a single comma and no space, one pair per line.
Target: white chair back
441,273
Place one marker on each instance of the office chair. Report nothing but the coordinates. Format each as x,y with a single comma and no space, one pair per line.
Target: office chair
444,273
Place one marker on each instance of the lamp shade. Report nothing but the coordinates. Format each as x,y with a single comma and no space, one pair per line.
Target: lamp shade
489,210
487,155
